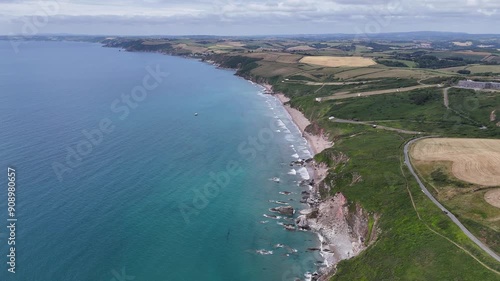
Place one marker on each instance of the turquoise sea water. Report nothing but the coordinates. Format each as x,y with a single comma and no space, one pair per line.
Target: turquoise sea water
157,193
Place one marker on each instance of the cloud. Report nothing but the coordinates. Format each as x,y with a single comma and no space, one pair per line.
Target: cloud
256,16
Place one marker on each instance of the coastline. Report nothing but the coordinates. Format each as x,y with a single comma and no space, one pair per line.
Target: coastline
318,143
317,173
325,209
340,232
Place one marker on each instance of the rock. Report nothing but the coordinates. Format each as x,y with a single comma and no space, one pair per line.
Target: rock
313,249
340,226
301,222
284,210
306,211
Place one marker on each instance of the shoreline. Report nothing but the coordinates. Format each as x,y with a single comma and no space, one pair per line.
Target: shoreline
318,143
317,173
340,232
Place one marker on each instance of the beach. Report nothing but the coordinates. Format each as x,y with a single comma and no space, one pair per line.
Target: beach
318,143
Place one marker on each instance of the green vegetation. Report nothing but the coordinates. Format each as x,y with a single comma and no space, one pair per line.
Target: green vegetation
392,63
476,106
465,200
406,248
441,178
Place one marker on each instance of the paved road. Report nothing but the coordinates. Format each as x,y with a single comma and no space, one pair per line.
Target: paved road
448,213
378,126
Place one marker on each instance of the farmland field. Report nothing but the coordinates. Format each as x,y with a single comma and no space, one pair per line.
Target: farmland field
493,197
475,161
330,61
476,68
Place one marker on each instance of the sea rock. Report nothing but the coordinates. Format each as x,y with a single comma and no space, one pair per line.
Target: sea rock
302,223
313,249
284,210
306,182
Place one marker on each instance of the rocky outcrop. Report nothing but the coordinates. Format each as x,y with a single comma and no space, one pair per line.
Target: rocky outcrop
284,210
302,222
342,228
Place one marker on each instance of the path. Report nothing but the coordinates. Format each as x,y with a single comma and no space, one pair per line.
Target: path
378,126
445,97
372,93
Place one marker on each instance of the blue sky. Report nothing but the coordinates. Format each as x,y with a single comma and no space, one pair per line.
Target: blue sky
251,17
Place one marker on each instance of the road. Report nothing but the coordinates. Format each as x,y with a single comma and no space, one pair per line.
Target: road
378,126
346,95
448,213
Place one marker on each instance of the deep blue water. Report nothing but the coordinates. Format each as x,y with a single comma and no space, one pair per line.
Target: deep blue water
140,203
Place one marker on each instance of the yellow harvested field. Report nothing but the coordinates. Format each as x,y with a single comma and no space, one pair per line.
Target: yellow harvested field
330,61
493,197
276,57
301,48
234,44
153,43
473,160
194,49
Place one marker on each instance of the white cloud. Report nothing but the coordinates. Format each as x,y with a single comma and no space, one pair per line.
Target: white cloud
254,16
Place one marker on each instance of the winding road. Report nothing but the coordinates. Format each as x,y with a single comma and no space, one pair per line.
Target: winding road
448,213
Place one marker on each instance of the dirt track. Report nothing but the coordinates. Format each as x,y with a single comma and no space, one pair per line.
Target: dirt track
372,93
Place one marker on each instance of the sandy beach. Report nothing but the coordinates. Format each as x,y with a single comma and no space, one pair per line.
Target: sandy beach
317,143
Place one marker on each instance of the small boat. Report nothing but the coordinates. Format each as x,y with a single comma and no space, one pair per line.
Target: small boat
196,114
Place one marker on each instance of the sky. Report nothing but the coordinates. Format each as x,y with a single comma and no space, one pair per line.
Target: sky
245,17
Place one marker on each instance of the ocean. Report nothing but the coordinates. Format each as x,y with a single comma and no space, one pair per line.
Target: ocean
141,166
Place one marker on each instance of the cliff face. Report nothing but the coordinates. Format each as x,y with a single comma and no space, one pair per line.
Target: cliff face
343,229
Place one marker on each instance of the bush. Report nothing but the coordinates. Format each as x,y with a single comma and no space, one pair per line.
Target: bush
421,98
392,63
439,177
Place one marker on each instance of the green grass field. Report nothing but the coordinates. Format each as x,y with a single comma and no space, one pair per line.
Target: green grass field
408,247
